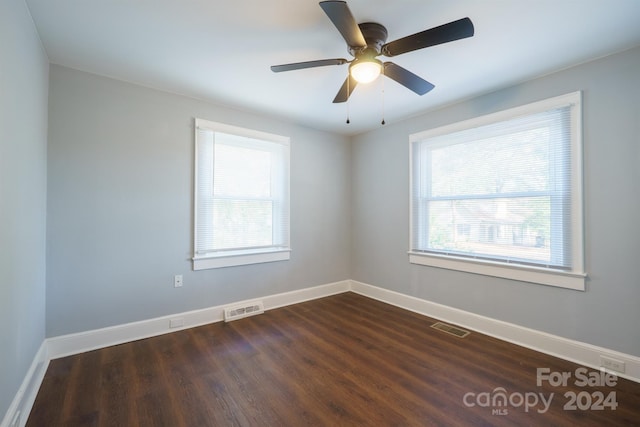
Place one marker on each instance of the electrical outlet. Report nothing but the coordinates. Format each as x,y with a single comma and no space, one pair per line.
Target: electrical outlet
177,281
612,364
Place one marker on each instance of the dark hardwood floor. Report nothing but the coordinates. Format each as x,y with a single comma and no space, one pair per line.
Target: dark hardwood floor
338,361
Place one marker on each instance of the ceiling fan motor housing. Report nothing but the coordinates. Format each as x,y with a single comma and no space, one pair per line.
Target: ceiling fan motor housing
374,34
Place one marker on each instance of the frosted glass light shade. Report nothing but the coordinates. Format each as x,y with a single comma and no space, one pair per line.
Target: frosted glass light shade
365,71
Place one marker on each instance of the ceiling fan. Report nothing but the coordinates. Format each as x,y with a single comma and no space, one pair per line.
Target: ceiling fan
366,41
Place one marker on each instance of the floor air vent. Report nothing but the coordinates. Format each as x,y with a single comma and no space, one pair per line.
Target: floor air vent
239,311
453,330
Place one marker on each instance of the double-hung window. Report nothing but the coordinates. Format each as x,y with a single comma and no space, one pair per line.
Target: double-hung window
241,196
501,195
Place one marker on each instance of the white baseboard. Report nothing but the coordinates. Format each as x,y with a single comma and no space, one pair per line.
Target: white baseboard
563,348
66,345
25,397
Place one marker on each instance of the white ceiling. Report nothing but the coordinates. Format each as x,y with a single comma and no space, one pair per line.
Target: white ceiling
221,50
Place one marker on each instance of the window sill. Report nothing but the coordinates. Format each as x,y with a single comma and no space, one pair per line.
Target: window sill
539,275
231,259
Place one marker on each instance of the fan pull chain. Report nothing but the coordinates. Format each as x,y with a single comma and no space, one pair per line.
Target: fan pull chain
348,81
382,86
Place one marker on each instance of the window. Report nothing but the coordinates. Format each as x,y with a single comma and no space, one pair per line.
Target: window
501,195
241,196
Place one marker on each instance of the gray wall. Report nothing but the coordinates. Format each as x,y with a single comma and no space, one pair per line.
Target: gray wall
607,314
120,206
119,212
23,153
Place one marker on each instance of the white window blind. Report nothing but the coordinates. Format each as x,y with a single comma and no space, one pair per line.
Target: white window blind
242,196
505,189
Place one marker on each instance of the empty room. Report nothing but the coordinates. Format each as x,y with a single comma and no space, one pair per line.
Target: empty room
291,213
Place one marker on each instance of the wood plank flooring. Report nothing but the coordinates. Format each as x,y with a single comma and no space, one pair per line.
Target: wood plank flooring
344,360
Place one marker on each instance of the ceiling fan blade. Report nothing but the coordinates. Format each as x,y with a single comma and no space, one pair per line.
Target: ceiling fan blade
456,30
339,13
307,64
406,78
345,91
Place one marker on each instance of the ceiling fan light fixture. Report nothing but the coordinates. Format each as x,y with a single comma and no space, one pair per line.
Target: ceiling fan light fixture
365,71
368,40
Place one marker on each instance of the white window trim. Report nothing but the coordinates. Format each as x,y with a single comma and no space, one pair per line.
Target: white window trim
574,279
239,257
